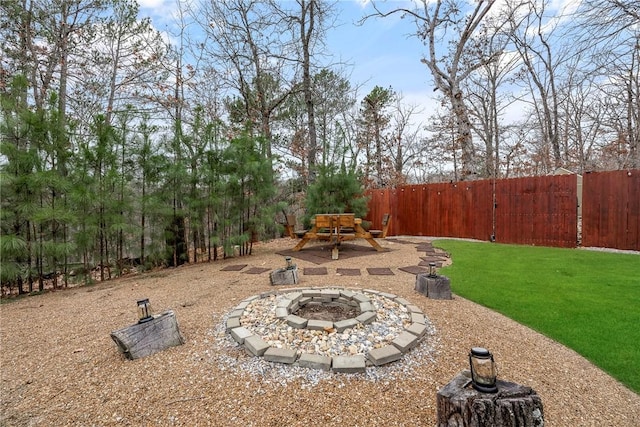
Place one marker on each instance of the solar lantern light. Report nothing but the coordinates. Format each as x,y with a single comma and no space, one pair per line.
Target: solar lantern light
144,311
289,263
483,370
432,269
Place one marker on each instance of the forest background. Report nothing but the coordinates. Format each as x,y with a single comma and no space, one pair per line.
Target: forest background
124,144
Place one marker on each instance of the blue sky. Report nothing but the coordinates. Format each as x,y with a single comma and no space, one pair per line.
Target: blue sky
378,52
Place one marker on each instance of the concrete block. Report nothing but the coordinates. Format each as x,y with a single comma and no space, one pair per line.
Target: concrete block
402,301
346,293
240,334
281,312
296,321
417,329
319,325
330,293
361,298
311,293
238,312
383,355
280,355
417,318
232,322
405,341
366,306
349,364
345,324
366,317
314,361
255,345
388,295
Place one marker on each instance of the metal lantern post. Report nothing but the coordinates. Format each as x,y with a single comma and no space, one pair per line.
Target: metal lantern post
432,269
483,370
144,311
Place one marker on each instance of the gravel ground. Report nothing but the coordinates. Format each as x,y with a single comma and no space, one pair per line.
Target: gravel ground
60,367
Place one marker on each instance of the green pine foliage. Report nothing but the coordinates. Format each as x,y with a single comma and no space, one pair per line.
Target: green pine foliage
336,191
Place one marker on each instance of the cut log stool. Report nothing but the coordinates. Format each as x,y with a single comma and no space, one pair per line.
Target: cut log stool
514,405
144,339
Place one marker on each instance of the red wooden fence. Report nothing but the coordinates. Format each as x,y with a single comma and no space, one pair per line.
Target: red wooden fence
611,209
533,210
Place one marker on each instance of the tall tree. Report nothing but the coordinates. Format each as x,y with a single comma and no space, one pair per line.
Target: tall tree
456,23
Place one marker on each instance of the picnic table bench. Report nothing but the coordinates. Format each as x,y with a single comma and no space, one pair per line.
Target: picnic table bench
336,228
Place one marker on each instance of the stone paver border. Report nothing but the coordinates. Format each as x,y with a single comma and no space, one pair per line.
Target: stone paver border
295,298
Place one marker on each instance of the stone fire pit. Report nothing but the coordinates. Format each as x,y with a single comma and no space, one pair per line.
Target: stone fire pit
338,329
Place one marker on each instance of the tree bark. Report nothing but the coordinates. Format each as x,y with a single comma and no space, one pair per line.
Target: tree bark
514,405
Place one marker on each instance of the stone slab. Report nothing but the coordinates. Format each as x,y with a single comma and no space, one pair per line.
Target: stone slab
405,341
255,345
349,364
314,361
240,334
280,355
384,355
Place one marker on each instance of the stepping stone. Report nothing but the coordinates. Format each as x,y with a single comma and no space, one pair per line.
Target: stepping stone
315,271
255,345
240,334
314,361
414,269
348,271
373,271
349,364
236,267
405,341
383,355
280,355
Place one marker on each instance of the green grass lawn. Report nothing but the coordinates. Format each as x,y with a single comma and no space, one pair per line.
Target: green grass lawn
587,300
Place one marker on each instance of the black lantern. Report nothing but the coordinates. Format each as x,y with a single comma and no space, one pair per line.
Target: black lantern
144,311
483,370
432,269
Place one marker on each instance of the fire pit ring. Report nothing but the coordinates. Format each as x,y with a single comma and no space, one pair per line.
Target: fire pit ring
385,328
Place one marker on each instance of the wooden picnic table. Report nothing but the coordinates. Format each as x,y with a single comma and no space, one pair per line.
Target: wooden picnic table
337,228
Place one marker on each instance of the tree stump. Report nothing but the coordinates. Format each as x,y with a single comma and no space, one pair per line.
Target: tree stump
144,339
284,276
438,287
514,405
